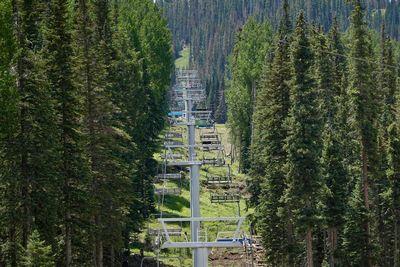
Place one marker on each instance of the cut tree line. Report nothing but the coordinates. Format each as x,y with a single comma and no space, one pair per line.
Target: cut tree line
318,133
82,103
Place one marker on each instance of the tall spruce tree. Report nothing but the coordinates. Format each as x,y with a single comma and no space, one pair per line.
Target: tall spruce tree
393,174
364,115
9,99
268,154
387,115
72,167
35,137
330,74
91,73
303,144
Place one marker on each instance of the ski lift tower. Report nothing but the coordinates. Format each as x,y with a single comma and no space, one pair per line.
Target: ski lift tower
190,91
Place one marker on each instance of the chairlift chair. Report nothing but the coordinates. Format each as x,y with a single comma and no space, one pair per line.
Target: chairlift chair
168,191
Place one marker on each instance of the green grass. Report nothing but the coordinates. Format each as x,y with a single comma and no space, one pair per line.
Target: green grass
183,61
179,206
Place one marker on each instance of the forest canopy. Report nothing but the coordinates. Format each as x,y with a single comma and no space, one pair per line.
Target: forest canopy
83,89
317,134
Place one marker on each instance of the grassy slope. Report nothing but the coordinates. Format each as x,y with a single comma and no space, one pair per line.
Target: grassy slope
179,206
183,61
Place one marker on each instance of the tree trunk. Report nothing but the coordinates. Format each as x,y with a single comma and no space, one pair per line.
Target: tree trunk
68,248
98,248
396,242
365,182
332,243
13,246
290,240
309,247
112,256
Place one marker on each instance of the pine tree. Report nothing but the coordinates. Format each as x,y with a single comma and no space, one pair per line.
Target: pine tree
364,115
252,44
149,35
268,155
393,174
9,100
32,140
388,87
38,254
91,75
304,140
72,168
333,169
356,241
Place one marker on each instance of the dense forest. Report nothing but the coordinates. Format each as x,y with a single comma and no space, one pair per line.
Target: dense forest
315,113
209,27
82,103
309,91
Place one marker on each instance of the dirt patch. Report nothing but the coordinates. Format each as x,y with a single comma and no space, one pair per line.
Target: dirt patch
228,258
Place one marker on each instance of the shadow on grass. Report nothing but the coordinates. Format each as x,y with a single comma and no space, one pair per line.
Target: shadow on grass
176,203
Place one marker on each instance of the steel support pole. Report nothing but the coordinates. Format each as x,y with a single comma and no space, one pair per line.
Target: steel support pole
200,255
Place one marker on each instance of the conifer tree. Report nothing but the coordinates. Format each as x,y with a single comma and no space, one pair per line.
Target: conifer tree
9,123
91,73
393,174
38,254
356,239
34,142
333,169
72,168
387,97
364,116
251,48
304,140
268,154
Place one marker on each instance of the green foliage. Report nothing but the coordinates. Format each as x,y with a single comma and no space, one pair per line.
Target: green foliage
356,242
38,254
304,132
209,27
334,127
82,101
252,44
268,156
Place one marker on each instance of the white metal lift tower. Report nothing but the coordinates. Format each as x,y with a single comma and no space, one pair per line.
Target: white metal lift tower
190,93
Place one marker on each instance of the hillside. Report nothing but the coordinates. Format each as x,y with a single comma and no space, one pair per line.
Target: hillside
210,26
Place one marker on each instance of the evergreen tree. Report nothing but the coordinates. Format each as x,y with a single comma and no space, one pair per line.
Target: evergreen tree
72,168
38,254
333,159
364,114
268,154
356,241
303,145
9,99
31,144
387,96
81,112
252,45
393,193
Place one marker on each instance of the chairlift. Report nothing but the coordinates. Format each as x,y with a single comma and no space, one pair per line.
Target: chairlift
225,198
168,191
